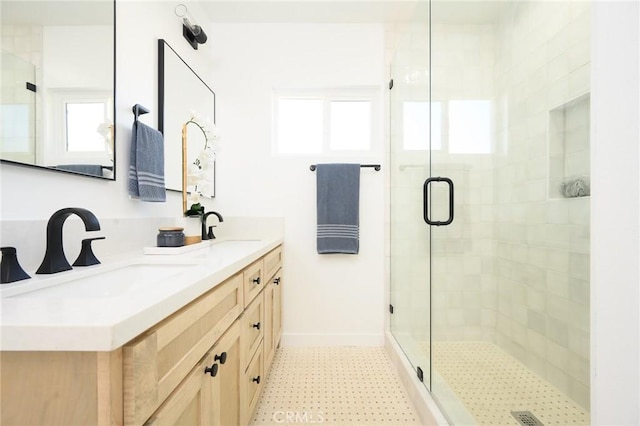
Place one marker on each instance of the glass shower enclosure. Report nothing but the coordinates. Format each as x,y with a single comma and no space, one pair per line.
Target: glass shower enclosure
489,208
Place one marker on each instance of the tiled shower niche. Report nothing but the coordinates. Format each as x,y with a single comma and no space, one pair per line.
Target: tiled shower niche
569,159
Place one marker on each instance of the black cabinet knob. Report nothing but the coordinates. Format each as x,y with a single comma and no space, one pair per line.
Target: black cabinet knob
213,370
256,379
276,281
256,280
222,358
256,325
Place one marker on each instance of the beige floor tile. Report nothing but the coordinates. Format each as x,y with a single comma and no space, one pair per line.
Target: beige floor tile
491,384
333,386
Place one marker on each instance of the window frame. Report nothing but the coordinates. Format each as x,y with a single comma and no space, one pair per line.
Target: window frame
445,127
371,94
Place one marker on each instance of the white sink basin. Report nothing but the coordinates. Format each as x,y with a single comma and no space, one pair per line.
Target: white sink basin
116,283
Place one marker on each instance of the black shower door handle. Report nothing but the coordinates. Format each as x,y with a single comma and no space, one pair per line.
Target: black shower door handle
425,202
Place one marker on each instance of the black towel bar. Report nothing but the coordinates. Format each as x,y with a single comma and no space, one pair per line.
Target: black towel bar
138,110
376,167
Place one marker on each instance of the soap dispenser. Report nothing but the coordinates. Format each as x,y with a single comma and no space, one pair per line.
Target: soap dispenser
10,269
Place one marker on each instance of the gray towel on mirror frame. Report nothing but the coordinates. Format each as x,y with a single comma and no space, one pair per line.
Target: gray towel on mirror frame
338,201
146,168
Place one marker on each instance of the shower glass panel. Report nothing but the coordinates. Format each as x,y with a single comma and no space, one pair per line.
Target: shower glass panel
17,109
494,307
409,156
510,275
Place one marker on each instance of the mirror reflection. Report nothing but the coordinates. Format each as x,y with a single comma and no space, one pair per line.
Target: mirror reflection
185,98
56,102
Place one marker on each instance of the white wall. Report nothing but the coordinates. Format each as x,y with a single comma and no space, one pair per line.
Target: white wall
329,299
615,243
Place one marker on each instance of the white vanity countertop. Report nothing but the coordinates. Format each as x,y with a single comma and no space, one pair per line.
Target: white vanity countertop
42,314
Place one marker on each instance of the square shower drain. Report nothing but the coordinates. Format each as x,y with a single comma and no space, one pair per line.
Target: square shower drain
526,418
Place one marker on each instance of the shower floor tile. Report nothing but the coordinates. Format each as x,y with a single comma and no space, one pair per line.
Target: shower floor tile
333,386
491,384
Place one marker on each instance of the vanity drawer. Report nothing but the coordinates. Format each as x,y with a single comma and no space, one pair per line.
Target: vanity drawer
253,281
272,262
155,363
252,384
252,323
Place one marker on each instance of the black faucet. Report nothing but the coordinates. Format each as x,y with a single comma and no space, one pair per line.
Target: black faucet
10,269
54,258
209,235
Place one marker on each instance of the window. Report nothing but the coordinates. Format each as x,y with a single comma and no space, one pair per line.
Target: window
416,125
310,122
83,120
457,126
470,127
300,126
350,125
81,127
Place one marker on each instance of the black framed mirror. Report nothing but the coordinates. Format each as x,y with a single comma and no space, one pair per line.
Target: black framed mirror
183,97
57,107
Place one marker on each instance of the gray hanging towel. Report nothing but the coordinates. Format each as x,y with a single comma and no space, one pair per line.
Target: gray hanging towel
146,169
338,200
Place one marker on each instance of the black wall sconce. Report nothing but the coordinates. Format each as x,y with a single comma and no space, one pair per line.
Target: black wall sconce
190,30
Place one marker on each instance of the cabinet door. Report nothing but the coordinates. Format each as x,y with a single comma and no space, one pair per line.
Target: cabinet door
190,403
226,352
272,318
272,262
268,342
252,323
277,308
252,384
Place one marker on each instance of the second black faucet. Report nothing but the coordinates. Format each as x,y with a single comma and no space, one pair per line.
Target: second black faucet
208,235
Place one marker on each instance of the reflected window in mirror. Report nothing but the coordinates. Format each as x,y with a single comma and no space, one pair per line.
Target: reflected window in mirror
58,60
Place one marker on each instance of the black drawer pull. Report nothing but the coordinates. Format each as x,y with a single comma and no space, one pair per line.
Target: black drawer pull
256,379
222,358
256,325
276,281
213,370
256,280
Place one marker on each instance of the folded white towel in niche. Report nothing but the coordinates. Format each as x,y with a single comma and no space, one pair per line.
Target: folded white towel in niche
575,188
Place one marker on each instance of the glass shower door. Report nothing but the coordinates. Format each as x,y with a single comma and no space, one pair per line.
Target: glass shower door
409,158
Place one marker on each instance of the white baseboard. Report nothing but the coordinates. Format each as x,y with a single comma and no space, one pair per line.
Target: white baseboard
318,339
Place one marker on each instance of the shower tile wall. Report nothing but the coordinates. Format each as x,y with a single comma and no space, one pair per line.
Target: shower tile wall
542,258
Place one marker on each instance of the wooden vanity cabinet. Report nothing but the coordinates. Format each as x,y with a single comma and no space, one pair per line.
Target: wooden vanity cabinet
238,356
157,361
163,376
